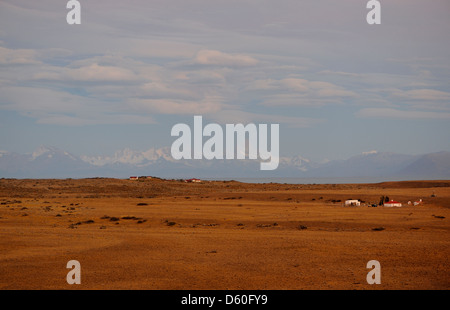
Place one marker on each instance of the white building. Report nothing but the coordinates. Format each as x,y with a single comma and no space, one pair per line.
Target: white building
416,203
193,181
392,203
355,203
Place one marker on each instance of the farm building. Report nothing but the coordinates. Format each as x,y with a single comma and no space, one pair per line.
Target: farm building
392,203
134,178
193,181
352,202
416,203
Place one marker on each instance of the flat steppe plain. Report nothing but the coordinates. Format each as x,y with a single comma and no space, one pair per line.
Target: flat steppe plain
158,234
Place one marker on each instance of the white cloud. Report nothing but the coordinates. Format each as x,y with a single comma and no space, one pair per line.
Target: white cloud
294,84
423,95
297,91
167,60
320,88
17,56
203,77
217,58
237,116
209,104
96,73
90,73
399,114
118,119
41,100
160,89
57,107
412,99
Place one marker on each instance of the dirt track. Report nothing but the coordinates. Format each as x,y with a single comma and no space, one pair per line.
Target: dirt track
157,234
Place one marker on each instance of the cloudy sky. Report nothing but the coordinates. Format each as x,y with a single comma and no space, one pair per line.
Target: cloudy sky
133,69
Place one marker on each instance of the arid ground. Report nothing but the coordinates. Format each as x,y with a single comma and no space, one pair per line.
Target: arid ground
157,234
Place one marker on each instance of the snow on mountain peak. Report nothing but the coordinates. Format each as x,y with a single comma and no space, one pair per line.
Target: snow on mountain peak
128,156
41,150
370,152
50,152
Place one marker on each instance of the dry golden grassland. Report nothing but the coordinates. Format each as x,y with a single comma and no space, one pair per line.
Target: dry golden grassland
166,234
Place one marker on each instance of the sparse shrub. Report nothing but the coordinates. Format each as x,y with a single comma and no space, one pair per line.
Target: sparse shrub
378,228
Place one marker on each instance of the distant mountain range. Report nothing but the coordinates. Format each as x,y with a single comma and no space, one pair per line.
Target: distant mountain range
51,162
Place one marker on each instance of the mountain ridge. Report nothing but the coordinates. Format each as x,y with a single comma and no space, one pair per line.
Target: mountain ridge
52,162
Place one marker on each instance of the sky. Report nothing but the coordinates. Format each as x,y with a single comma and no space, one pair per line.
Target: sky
133,69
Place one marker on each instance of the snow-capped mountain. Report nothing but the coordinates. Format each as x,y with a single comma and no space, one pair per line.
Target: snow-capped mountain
51,162
45,161
298,162
43,152
130,157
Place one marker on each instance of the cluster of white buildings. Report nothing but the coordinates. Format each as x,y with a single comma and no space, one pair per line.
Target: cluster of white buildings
134,178
352,203
193,180
391,203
